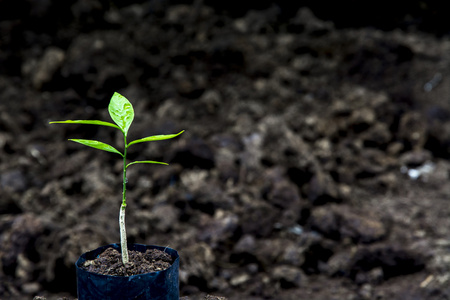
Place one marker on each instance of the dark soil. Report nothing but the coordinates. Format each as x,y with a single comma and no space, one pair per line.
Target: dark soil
315,162
109,262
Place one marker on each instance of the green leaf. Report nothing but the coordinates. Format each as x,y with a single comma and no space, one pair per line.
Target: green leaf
156,138
146,162
97,145
89,122
121,111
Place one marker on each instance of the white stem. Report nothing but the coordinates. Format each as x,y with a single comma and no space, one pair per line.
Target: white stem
123,235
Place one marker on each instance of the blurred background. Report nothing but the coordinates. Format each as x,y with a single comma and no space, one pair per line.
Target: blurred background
314,163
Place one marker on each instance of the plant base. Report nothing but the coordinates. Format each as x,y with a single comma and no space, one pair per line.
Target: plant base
156,285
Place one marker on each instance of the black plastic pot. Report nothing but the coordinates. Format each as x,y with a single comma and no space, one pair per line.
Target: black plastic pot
156,285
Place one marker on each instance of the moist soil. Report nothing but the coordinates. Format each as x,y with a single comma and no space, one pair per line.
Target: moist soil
314,165
109,262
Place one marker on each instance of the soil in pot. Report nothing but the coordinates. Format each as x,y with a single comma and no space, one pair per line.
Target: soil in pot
134,281
109,262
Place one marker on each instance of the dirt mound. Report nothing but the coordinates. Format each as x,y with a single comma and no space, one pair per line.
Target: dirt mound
314,162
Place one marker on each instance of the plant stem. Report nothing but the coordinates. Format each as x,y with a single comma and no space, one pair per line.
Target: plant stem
123,232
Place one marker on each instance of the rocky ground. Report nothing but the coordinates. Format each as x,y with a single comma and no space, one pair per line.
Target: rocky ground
314,163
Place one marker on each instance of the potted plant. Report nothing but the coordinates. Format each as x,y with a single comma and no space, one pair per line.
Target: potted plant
122,271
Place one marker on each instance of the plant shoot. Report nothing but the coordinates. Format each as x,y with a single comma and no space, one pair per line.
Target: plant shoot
122,113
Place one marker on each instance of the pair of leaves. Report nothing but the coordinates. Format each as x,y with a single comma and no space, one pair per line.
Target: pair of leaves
122,113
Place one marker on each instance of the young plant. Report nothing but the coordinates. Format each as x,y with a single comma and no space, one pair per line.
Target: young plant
122,113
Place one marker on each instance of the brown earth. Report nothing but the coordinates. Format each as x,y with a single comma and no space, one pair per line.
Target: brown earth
109,262
314,163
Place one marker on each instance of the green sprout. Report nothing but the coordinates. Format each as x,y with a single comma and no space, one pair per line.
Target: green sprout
122,113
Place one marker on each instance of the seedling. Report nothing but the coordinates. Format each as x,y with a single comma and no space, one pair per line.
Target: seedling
122,113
